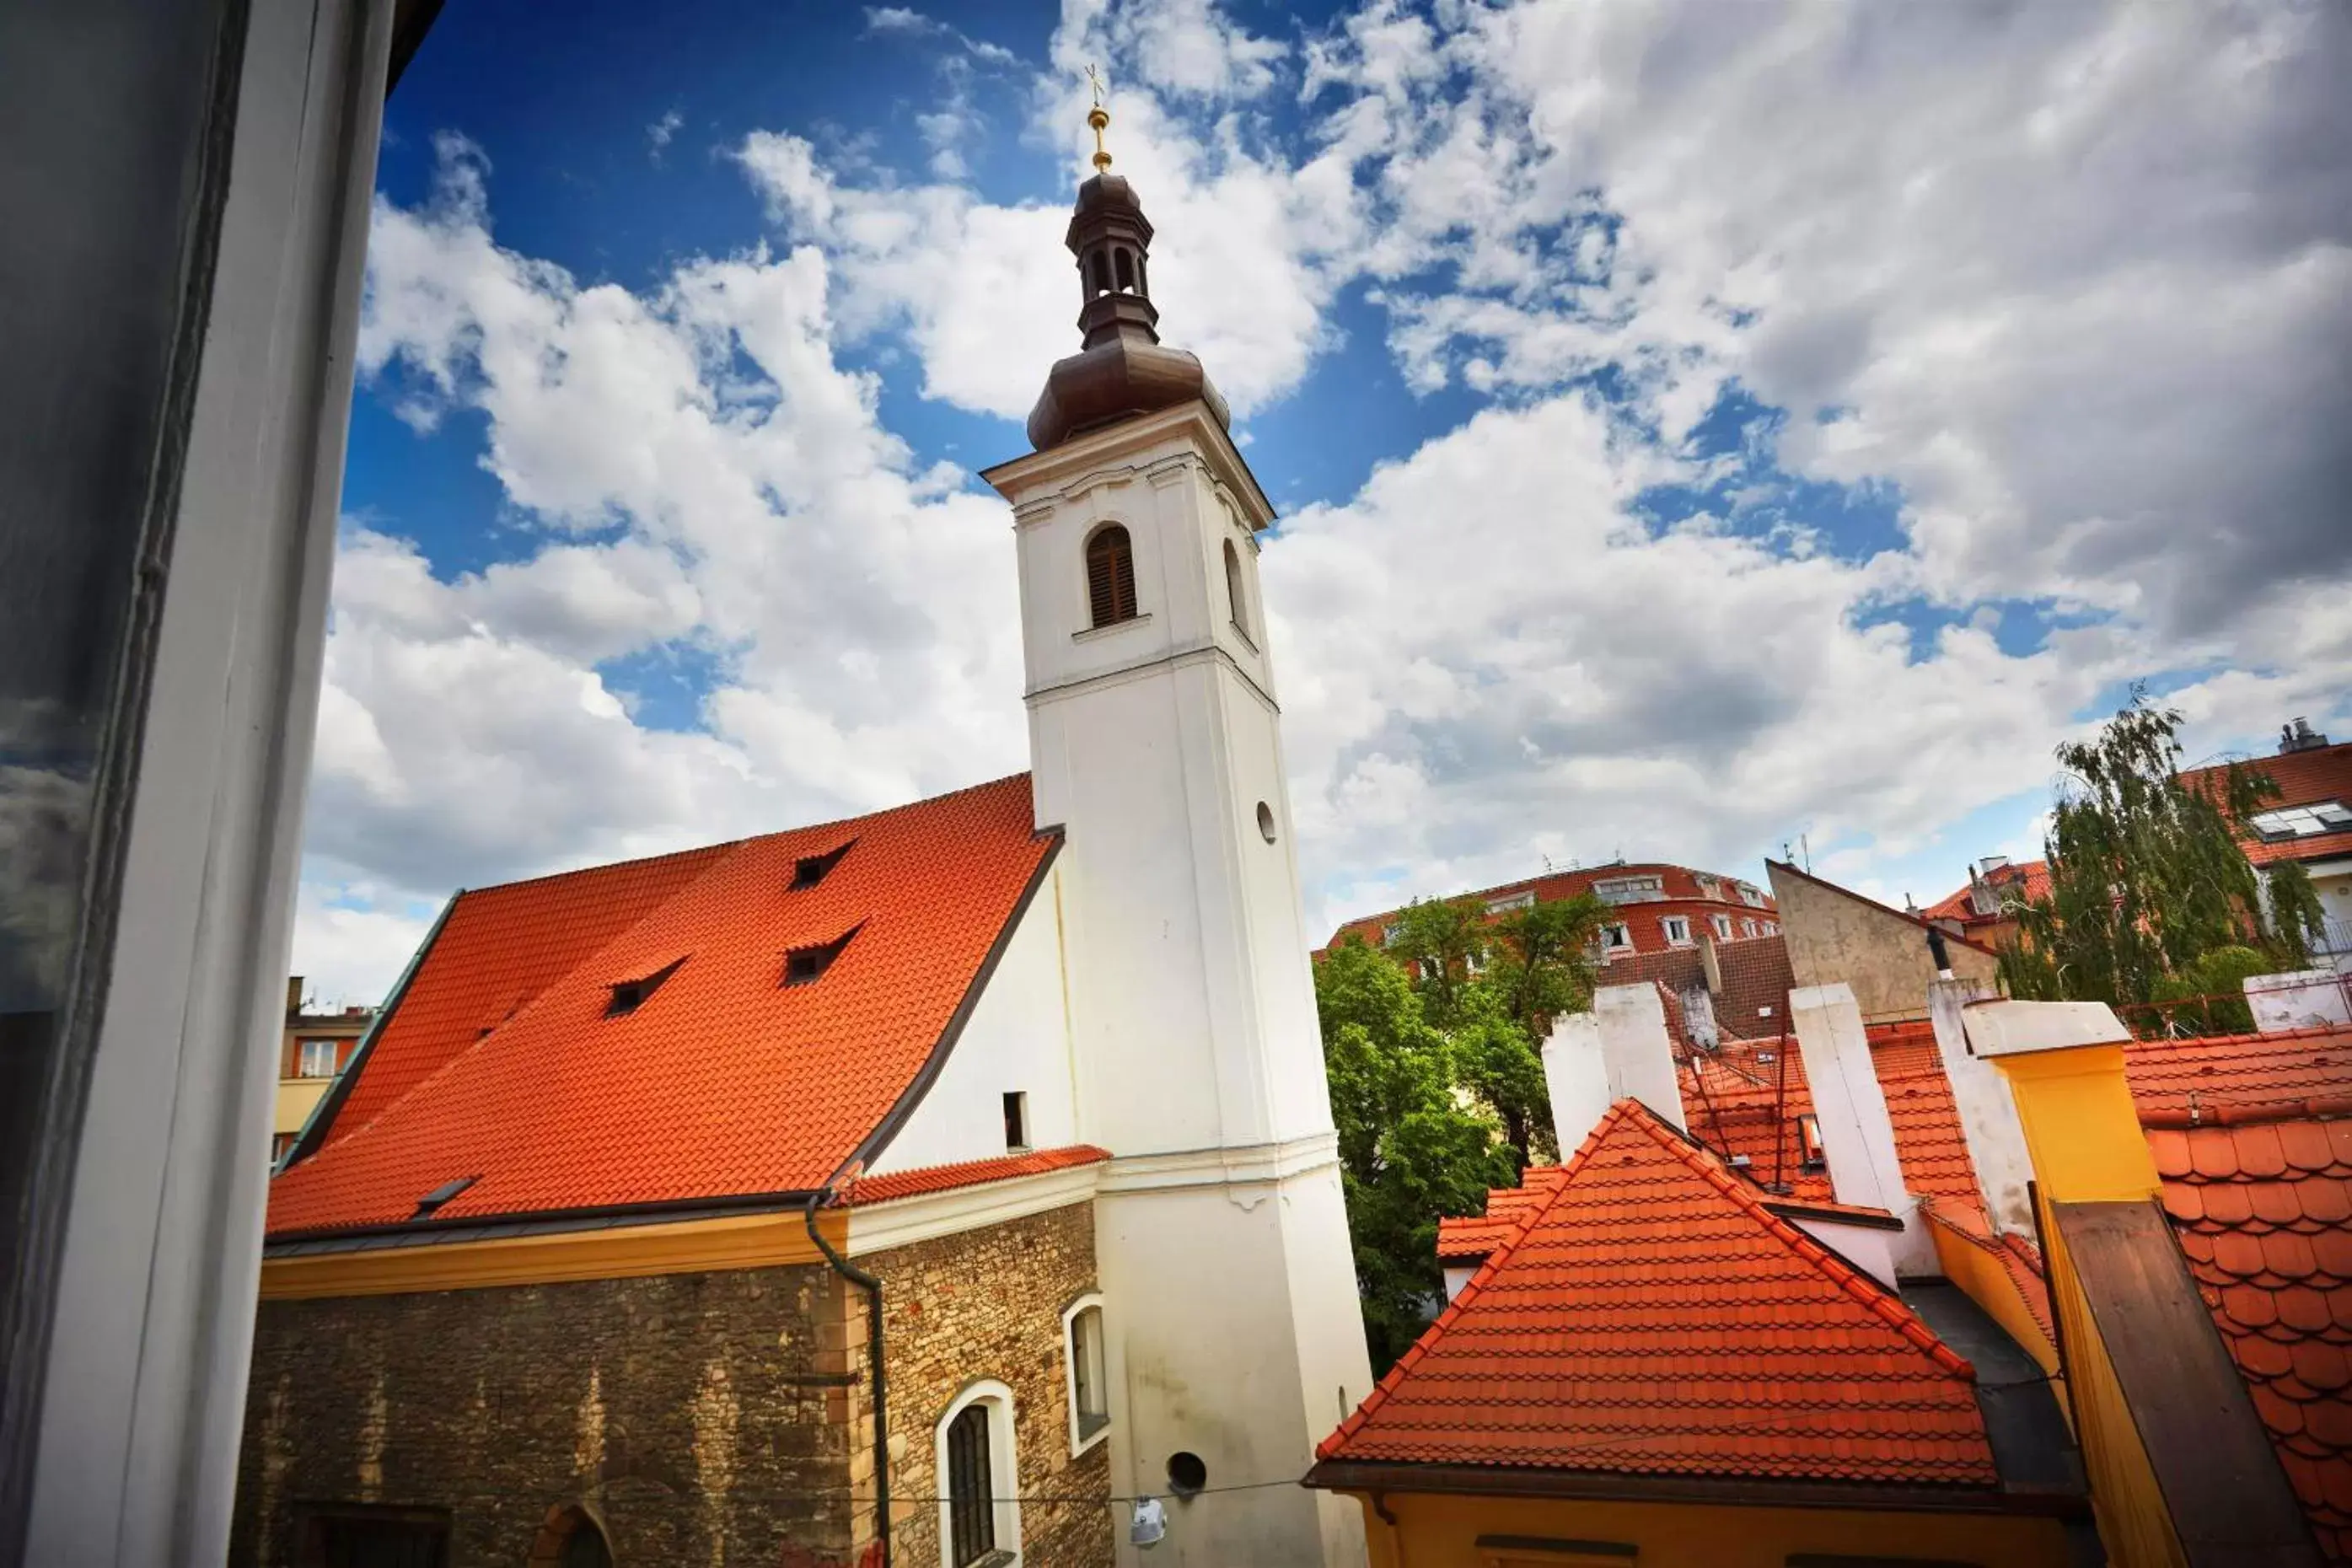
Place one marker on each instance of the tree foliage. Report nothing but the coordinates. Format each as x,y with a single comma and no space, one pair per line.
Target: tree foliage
2149,884
1410,1149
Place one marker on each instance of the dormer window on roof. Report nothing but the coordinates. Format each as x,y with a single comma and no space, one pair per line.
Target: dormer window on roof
810,869
803,965
630,995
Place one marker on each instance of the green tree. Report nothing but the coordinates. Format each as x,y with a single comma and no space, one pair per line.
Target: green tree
2149,875
1540,962
1444,944
1410,1151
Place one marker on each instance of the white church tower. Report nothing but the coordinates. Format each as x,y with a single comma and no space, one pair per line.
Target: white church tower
1235,1337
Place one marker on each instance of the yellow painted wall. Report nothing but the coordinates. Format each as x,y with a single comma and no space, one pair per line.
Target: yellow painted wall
1832,935
1441,1532
296,1095
2134,1522
1990,1286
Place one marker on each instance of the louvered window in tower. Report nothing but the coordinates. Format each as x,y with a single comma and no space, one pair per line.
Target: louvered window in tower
1111,575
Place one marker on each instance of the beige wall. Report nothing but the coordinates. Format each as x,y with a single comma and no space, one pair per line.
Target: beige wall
295,1096
1835,936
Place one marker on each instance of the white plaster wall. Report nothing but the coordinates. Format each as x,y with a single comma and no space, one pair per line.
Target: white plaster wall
2298,999
1194,1278
1016,1039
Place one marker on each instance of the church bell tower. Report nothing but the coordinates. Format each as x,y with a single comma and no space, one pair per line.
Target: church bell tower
1234,1334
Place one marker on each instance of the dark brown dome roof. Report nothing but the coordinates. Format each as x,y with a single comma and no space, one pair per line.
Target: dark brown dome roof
1123,369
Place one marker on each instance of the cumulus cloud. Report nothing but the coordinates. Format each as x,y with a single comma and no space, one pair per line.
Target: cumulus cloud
2067,285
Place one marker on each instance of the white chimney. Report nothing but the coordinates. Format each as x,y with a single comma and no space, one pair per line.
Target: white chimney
1996,1139
1576,1077
1850,1110
1638,1052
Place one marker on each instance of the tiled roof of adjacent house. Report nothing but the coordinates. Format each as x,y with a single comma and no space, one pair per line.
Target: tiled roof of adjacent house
2304,778
1678,886
2024,880
509,1059
1648,1316
2264,1211
928,1179
1757,978
2224,1078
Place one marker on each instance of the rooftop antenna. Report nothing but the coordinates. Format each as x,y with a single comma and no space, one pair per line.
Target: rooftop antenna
1098,118
1805,843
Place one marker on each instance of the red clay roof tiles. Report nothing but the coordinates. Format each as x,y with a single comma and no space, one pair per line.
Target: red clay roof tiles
930,1179
1649,1316
725,1082
2265,1217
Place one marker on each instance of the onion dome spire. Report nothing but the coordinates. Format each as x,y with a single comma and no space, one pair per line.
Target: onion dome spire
1121,368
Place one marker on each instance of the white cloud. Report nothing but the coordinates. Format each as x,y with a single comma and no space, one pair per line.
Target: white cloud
660,133
2075,279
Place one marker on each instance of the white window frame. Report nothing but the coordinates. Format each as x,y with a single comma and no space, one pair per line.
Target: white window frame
304,1058
1080,1438
1666,924
1503,905
1722,924
1003,1465
1747,928
1622,930
1751,897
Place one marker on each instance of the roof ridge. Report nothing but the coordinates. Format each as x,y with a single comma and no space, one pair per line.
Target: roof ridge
1862,1288
736,843
1496,1259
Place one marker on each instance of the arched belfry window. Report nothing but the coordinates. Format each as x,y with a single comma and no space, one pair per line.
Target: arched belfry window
1111,575
1234,595
1101,273
1126,265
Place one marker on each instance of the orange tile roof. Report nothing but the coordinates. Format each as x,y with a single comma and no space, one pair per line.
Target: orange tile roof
725,1082
2220,1077
928,1179
1650,1317
2027,880
2304,778
2264,1211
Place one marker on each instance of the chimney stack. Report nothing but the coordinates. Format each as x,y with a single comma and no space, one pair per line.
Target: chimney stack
293,994
1987,1111
1850,1110
1620,1050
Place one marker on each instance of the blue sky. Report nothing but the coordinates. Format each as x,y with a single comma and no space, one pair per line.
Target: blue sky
1695,428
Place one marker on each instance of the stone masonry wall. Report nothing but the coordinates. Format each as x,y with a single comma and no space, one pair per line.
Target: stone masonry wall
988,1304
704,1417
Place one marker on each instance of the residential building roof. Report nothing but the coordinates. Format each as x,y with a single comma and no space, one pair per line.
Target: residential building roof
2025,879
1676,886
2263,1212
1649,1316
624,1036
2304,778
1756,979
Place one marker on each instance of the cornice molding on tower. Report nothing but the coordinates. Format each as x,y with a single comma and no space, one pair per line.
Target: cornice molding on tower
1257,1165
1076,467
1182,657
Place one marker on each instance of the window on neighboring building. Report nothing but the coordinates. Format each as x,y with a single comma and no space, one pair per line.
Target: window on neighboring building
1771,928
358,1536
979,1510
1808,1142
1016,1118
1629,889
1510,901
1751,897
1236,600
280,1144
1722,924
1748,928
1111,575
318,1060
2302,821
1391,935
1089,1395
1677,930
1617,936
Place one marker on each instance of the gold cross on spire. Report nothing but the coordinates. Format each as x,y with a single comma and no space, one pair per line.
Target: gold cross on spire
1098,117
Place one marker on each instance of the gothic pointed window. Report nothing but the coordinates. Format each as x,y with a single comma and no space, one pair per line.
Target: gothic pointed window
1111,575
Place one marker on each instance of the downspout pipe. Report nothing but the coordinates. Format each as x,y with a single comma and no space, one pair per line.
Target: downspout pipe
825,1198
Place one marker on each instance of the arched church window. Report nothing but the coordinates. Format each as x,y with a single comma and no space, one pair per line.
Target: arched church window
1102,273
1235,598
1111,575
1126,265
570,1538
